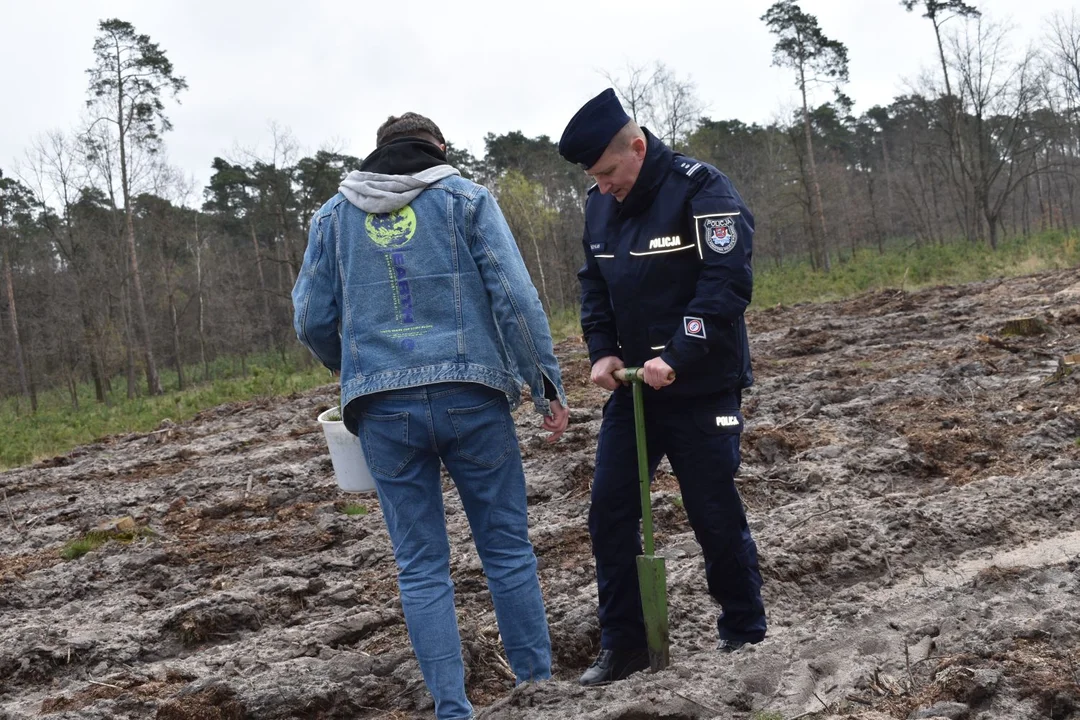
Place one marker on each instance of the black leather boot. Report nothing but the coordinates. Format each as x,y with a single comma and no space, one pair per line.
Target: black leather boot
729,646
612,665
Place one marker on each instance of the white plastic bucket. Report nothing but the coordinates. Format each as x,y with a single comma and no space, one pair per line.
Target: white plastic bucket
346,455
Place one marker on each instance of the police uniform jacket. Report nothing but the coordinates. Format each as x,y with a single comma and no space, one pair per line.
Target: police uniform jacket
667,273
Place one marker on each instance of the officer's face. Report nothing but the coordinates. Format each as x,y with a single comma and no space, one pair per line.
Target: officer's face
617,169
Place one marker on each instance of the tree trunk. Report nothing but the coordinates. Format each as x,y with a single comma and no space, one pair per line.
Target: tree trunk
93,342
132,383
941,55
1072,217
30,379
1025,207
279,268
286,239
878,232
264,298
540,267
202,315
560,273
17,348
73,389
531,231
176,341
843,186
813,174
174,320
888,186
991,221
1051,192
91,336
153,382
283,290
70,366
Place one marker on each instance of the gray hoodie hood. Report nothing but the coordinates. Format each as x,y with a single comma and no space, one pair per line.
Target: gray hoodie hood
378,193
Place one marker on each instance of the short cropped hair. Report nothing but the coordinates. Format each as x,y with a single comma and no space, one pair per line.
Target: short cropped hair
408,125
625,136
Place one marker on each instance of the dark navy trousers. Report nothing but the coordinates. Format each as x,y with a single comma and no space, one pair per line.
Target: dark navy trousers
700,437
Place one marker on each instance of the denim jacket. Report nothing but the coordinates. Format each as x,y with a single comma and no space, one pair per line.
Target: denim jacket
427,287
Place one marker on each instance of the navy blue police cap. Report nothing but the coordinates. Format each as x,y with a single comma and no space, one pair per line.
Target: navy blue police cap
591,129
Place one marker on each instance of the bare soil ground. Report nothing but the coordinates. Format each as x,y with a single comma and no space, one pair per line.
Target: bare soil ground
914,489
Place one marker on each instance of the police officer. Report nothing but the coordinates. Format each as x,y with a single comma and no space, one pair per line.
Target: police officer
665,283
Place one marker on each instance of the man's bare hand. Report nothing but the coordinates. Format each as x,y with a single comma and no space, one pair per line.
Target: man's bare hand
603,372
555,423
658,374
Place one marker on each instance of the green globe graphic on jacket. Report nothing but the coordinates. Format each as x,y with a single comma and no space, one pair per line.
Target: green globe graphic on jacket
393,229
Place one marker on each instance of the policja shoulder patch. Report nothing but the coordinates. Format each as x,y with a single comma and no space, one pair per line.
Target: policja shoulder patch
719,231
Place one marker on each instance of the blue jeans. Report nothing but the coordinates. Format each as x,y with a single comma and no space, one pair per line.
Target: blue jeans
467,426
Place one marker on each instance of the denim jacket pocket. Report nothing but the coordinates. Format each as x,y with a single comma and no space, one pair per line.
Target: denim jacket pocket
483,436
386,440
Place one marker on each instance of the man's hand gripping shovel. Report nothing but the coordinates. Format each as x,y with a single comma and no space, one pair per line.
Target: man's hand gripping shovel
652,577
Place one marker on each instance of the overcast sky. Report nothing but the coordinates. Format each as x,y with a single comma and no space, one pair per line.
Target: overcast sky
332,72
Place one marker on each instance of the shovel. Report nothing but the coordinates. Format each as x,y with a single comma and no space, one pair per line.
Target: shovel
652,578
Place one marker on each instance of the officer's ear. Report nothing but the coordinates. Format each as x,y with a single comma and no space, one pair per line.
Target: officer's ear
637,148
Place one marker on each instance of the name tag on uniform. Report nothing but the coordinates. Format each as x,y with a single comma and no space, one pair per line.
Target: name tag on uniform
600,250
662,244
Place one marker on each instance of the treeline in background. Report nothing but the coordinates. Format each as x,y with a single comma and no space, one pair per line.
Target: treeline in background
121,280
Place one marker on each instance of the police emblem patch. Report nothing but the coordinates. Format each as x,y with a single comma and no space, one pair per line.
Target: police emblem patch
720,234
694,327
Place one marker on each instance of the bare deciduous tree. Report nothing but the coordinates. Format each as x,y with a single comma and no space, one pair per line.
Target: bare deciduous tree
676,109
657,97
997,97
636,90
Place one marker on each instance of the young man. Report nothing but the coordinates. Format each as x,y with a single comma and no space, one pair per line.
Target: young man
438,320
666,280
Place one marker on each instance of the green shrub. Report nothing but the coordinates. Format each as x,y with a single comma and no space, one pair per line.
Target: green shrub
75,549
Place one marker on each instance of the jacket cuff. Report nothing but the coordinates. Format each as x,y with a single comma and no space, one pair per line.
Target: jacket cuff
542,405
673,362
678,361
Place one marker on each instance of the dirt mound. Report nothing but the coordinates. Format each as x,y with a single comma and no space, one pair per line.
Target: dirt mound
911,470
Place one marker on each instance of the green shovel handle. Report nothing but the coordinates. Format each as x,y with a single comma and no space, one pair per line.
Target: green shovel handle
652,576
634,374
